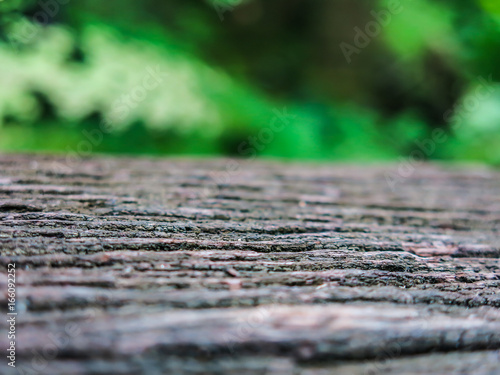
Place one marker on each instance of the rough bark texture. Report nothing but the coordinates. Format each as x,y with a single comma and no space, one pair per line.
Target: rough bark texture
143,266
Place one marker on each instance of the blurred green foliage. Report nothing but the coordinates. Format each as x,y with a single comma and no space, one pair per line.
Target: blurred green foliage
209,77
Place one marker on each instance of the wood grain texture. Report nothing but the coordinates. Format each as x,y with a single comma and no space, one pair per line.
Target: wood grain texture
151,266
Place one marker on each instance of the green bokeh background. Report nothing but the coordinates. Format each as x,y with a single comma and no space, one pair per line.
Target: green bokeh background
73,73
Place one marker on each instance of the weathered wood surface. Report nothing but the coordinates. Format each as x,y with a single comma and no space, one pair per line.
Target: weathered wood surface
142,266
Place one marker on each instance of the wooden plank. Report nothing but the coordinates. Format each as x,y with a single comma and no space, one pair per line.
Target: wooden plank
129,266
